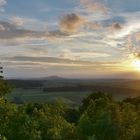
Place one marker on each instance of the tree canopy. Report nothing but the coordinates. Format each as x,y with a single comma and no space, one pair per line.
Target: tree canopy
100,117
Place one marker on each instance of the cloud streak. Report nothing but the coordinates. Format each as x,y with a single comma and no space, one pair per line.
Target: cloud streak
82,34
12,34
48,60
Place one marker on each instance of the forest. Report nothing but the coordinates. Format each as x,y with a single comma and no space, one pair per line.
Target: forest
99,117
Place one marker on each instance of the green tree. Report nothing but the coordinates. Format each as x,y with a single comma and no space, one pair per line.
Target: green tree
4,88
7,111
94,96
129,121
99,119
53,125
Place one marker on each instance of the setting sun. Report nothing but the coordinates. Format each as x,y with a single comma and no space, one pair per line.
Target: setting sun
136,64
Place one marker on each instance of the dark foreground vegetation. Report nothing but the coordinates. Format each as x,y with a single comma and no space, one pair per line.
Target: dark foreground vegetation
99,117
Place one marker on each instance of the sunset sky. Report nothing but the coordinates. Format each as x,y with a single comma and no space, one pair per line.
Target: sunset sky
70,38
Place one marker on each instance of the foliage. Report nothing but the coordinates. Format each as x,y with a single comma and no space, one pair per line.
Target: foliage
99,117
4,88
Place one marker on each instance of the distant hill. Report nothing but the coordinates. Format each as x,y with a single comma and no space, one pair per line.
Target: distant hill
53,78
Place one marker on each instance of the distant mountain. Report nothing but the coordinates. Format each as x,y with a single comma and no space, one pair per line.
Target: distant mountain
53,78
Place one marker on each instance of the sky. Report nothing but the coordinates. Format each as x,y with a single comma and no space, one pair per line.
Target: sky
70,38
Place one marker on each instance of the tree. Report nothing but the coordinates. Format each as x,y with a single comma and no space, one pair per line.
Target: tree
94,96
52,124
129,122
100,119
4,88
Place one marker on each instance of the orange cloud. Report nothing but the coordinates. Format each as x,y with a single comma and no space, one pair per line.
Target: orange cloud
137,55
93,6
137,36
116,26
71,22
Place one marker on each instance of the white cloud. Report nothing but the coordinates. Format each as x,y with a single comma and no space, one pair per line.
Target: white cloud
2,27
2,4
18,21
96,40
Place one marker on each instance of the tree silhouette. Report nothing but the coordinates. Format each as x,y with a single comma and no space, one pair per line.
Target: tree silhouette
4,87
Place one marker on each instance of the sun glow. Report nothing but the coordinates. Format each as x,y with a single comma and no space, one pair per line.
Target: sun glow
136,64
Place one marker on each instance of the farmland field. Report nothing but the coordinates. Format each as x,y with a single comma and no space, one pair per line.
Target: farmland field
71,91
37,95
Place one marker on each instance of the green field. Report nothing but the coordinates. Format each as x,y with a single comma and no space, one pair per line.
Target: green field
37,95
72,91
